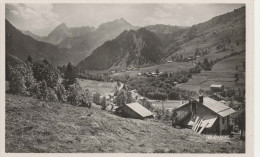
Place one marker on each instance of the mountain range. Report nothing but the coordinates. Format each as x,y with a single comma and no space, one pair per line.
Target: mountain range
118,44
129,48
217,37
21,46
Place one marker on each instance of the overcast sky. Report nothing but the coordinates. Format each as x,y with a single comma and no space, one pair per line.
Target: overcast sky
43,18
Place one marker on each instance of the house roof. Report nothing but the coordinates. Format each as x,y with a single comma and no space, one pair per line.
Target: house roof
139,109
217,107
216,85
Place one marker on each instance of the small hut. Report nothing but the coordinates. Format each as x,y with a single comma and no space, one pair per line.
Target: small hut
216,88
135,110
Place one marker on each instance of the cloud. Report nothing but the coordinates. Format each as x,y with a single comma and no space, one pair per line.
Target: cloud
35,16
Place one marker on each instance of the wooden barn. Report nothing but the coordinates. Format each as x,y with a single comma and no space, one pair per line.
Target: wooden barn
135,110
216,88
208,114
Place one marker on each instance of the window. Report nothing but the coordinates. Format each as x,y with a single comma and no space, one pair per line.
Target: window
223,120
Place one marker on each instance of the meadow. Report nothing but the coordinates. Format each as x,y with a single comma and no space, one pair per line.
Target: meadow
52,127
222,73
103,88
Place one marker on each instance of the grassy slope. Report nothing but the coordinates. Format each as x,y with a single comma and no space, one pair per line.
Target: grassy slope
103,88
222,73
35,126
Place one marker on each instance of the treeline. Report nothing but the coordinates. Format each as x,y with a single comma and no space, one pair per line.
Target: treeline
237,95
42,80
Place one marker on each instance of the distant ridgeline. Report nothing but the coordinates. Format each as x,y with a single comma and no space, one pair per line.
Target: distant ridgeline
156,43
118,44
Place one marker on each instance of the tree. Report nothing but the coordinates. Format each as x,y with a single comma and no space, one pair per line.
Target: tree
96,98
61,92
70,75
206,65
120,100
29,59
103,103
79,97
45,61
46,72
17,82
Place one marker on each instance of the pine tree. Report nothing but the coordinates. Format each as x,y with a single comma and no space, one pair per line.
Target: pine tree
70,75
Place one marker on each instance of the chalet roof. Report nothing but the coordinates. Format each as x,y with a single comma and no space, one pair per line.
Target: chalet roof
139,109
214,105
216,85
217,107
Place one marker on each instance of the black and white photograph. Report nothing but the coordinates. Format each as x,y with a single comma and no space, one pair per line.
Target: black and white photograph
126,78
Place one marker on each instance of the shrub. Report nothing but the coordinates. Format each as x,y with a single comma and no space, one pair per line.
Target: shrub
195,70
61,92
78,97
147,104
70,76
47,72
51,95
17,82
173,95
96,98
120,100
103,103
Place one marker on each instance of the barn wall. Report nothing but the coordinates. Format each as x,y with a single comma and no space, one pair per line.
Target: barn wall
223,124
130,113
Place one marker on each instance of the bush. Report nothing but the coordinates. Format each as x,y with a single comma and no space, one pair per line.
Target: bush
147,104
61,92
51,95
47,72
17,82
173,95
195,70
78,97
103,103
96,98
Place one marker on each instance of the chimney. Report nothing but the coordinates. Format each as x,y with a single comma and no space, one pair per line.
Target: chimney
201,98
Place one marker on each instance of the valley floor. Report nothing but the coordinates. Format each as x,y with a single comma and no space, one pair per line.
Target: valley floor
36,126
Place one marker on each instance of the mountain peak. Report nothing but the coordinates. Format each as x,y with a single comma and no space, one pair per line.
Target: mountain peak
62,25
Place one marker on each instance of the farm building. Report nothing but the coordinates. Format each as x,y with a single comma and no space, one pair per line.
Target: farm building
135,110
213,115
216,88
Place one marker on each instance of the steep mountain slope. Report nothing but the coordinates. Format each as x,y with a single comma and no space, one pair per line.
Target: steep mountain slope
213,39
87,43
166,33
129,48
34,36
58,34
21,46
62,32
217,37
